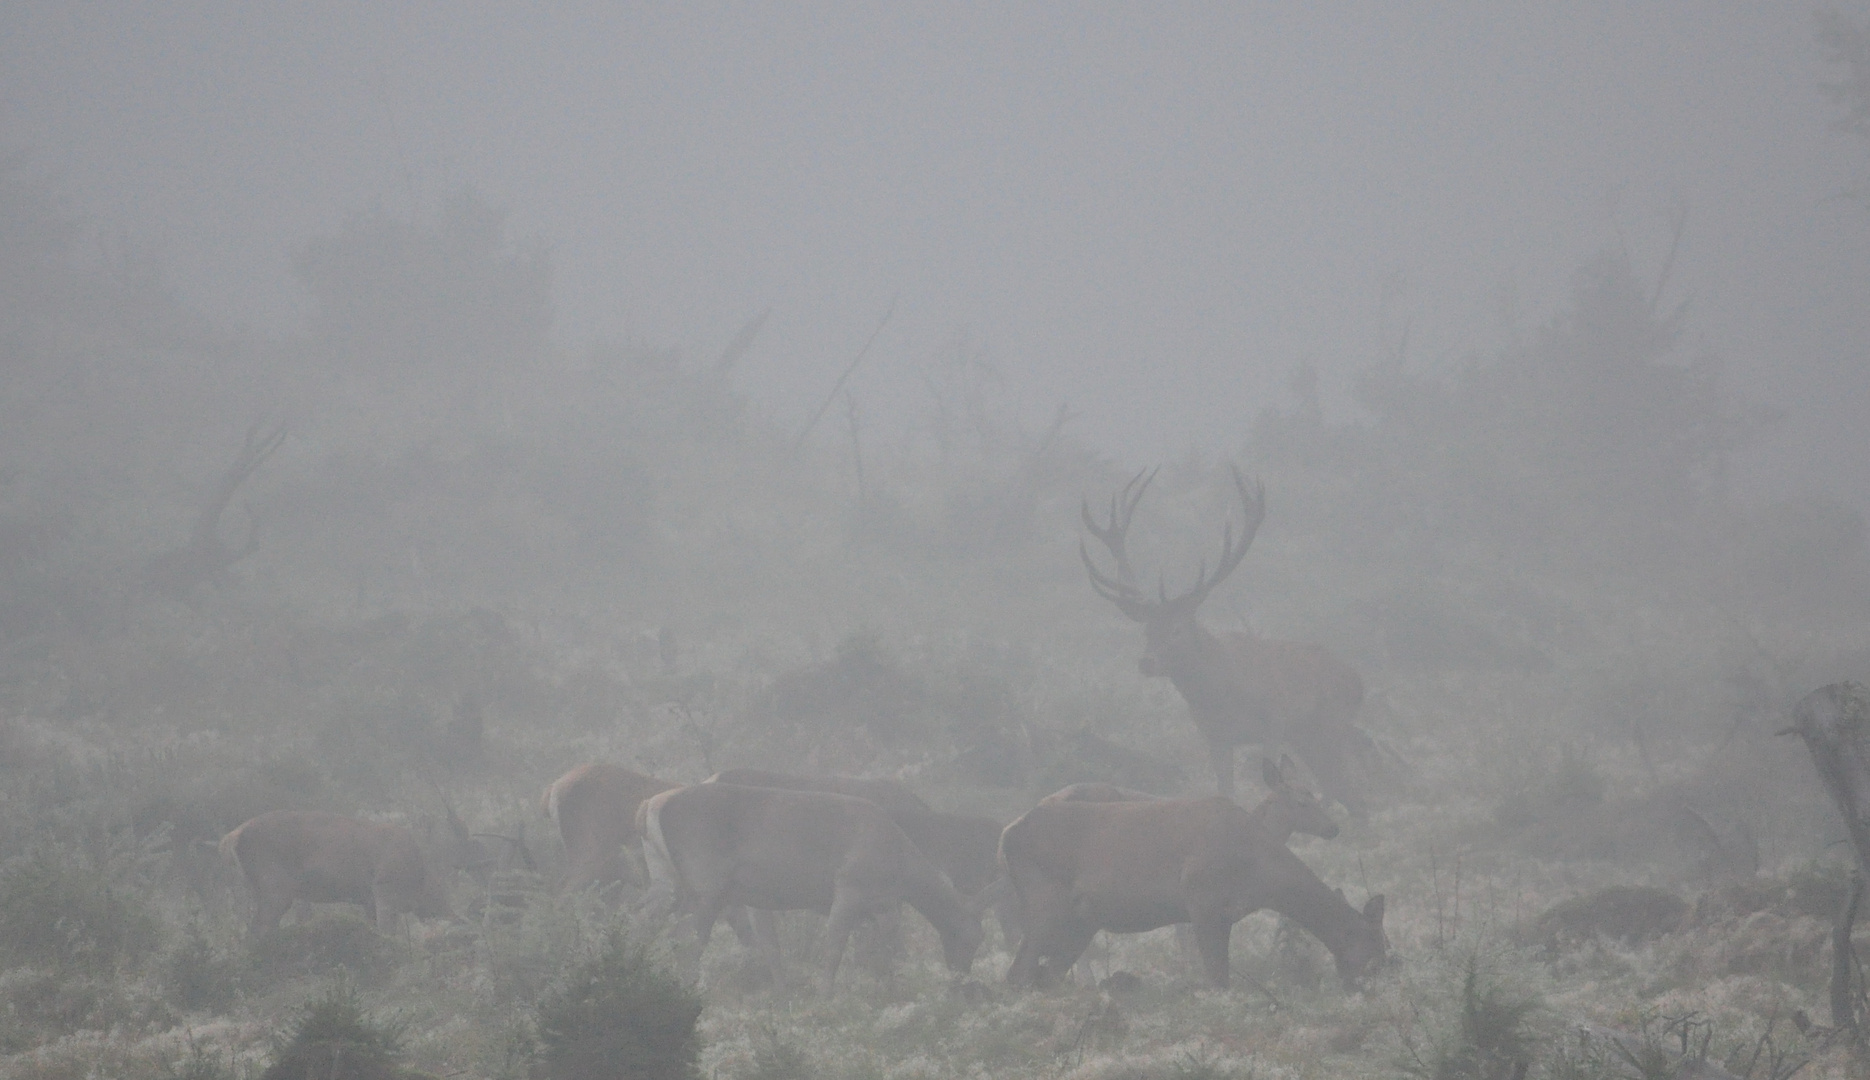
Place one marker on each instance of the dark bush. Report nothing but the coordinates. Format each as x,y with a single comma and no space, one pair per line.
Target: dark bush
197,976
335,1040
620,1014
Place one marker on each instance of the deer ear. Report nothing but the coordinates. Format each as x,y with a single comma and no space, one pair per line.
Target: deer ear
1373,910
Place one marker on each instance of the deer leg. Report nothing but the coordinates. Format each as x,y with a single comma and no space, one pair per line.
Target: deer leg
1081,971
1212,937
268,909
1065,947
1221,757
1185,943
763,926
846,911
1006,913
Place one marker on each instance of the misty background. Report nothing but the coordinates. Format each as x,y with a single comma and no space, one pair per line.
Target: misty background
1152,217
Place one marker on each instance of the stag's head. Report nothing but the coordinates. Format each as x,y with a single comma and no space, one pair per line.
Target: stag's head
1171,636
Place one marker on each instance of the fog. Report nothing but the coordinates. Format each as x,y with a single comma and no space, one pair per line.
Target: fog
481,491
1150,216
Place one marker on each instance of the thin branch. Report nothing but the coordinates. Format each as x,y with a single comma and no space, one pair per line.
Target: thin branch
839,385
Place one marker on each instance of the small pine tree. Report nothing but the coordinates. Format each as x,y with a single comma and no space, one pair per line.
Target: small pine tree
620,1015
335,1040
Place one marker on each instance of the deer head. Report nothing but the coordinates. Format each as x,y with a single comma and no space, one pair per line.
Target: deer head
1171,634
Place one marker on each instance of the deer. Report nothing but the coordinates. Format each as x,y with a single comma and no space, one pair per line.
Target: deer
965,846
1241,688
206,557
594,806
1128,867
320,857
714,846
1287,809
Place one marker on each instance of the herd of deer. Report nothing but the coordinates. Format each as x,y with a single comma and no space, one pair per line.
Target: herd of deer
748,842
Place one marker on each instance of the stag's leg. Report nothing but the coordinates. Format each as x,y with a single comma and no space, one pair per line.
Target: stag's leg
1221,757
1325,756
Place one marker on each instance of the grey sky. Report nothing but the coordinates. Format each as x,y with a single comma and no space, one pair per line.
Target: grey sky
1152,215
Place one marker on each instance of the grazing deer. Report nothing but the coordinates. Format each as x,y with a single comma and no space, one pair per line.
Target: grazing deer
715,846
1240,687
206,557
1127,867
1287,809
310,855
965,846
594,806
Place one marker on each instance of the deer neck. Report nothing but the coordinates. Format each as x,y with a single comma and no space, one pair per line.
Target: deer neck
1203,675
930,893
1318,908
1270,817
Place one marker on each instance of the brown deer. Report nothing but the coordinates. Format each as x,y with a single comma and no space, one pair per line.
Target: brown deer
1127,867
715,846
1287,809
965,846
310,855
594,806
1240,687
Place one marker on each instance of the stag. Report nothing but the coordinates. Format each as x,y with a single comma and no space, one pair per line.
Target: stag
594,806
1240,687
288,855
717,846
206,557
1128,867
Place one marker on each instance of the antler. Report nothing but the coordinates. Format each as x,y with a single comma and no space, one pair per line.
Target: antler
206,555
1122,509
1122,591
1254,504
253,452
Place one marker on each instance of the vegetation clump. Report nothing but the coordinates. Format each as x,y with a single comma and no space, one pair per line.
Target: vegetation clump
335,1040
620,1013
1490,1034
326,944
1626,913
59,912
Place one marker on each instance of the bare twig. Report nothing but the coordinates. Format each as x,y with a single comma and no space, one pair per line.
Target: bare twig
839,385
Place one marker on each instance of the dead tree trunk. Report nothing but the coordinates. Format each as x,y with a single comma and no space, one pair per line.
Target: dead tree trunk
1834,722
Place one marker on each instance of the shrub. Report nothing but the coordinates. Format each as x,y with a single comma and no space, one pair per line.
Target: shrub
335,1040
776,1059
197,976
620,1014
1489,1035
57,912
